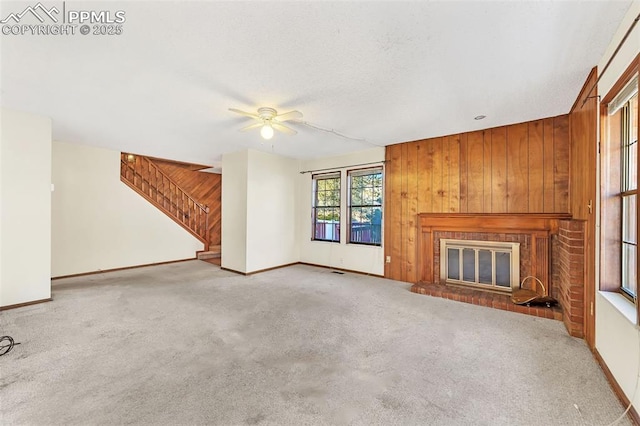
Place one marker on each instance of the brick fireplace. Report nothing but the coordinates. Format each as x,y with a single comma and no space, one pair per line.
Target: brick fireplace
551,249
568,273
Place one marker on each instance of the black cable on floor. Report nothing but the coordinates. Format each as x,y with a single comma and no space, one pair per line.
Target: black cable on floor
6,348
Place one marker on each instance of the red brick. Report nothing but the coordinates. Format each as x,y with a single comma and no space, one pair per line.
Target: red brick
577,291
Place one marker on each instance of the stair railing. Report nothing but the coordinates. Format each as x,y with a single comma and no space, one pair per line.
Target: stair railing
147,179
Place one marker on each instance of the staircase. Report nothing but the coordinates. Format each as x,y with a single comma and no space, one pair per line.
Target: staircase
145,177
213,255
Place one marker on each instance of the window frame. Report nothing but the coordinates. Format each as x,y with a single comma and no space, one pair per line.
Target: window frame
314,206
611,209
628,189
364,172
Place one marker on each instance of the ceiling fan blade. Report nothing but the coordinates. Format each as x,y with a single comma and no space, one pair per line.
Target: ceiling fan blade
248,114
282,128
287,116
251,126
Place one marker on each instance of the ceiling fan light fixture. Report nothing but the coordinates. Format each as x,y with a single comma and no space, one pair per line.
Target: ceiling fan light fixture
268,120
266,131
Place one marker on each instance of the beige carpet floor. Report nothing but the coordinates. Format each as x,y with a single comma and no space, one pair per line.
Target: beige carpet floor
188,343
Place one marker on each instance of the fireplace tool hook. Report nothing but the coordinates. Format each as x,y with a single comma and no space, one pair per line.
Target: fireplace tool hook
525,296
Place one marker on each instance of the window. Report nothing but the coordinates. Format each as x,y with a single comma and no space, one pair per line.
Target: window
365,206
619,190
326,207
629,194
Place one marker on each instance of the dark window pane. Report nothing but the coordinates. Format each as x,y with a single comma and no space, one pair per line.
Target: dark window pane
377,195
453,264
632,169
633,143
333,198
356,197
469,265
503,269
321,199
629,137
629,231
367,196
633,106
484,266
629,268
366,225
327,224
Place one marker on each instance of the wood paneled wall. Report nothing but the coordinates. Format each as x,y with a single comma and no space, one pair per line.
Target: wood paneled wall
520,168
583,120
584,145
204,187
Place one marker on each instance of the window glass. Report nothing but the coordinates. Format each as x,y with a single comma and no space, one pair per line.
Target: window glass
326,207
629,189
365,206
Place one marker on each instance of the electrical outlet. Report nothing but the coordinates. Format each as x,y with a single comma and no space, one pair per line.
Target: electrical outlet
388,259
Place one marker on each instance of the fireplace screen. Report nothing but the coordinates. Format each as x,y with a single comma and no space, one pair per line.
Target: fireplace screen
487,264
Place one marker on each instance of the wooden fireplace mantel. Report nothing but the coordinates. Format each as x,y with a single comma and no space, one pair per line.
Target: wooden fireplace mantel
492,222
538,226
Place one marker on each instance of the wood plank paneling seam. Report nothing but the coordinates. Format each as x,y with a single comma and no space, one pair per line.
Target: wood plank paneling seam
518,168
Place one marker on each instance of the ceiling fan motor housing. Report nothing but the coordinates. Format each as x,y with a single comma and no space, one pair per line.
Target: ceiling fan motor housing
269,120
267,113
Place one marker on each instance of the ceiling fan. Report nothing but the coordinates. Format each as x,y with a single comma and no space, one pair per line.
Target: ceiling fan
269,120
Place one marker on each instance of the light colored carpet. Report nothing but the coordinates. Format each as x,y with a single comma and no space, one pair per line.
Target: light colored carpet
188,343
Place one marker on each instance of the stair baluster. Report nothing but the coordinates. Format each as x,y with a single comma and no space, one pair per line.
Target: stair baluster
146,178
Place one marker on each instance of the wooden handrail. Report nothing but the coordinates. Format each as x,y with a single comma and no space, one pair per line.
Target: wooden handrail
146,178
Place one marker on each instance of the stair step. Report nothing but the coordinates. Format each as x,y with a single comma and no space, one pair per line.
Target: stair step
204,255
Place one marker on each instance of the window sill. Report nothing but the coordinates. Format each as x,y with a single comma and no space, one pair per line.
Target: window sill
364,244
622,304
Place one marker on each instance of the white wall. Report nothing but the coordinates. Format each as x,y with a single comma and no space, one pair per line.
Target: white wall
266,214
258,211
25,207
234,210
100,223
617,338
367,259
271,230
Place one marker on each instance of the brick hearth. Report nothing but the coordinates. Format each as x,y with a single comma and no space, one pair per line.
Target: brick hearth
551,249
483,298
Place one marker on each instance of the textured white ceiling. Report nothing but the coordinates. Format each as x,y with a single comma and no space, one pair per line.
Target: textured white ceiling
385,71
